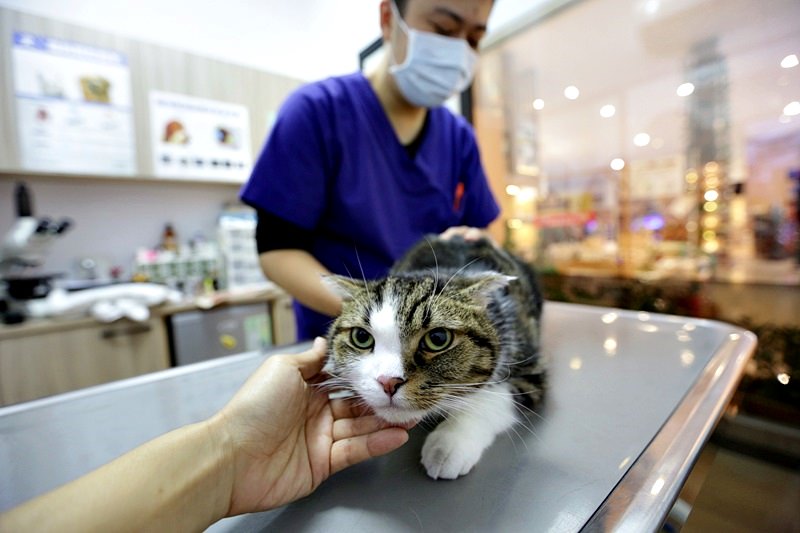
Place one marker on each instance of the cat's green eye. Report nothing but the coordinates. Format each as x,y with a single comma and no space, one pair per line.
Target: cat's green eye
361,338
437,339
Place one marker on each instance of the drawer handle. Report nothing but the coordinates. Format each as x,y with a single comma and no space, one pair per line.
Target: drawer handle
121,332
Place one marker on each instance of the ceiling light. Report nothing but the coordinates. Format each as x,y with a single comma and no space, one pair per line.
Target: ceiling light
617,164
792,109
641,139
538,104
512,190
651,7
790,61
526,194
685,89
711,247
607,111
609,318
572,92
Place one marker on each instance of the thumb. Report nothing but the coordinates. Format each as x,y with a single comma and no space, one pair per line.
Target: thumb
311,361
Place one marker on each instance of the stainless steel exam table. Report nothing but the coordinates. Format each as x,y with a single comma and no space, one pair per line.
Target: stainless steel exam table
633,398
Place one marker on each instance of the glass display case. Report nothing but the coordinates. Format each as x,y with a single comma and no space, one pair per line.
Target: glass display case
648,138
647,156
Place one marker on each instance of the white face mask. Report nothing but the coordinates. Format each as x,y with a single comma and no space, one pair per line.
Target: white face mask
436,67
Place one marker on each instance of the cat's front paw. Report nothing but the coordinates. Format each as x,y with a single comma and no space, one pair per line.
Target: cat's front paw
448,454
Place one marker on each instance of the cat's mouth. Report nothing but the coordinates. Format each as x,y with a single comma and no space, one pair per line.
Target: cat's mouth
399,415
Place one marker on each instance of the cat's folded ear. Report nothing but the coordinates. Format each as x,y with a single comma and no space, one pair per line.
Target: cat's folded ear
342,286
481,287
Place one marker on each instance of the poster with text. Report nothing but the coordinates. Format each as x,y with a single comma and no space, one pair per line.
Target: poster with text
74,107
197,138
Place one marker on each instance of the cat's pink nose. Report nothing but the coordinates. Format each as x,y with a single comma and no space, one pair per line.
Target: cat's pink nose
390,384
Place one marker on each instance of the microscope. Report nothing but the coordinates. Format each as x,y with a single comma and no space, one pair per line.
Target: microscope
22,253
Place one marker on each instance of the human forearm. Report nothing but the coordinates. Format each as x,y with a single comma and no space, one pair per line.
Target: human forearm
181,481
300,274
275,441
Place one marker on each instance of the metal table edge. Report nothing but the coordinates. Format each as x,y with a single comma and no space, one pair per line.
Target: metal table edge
644,496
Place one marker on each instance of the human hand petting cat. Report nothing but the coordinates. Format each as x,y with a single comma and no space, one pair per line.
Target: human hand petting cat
288,437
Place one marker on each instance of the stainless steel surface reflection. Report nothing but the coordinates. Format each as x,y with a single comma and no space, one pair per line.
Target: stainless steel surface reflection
628,409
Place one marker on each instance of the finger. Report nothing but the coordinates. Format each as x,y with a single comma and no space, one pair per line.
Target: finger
473,234
311,361
452,231
346,428
348,408
348,452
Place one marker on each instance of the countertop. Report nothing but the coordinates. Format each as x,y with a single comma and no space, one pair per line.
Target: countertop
266,293
633,397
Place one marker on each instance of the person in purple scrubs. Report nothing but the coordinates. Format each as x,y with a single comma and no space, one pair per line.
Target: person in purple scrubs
358,168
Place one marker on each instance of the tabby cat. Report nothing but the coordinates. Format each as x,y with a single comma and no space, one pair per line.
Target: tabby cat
451,334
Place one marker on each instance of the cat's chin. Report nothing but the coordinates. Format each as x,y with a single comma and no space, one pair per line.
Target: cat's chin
399,415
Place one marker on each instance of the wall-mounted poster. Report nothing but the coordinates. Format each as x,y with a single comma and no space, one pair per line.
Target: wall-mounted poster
197,138
74,107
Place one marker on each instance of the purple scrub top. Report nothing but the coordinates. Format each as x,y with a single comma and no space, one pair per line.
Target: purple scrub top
333,164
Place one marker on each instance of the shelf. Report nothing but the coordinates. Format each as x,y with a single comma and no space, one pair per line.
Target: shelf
7,174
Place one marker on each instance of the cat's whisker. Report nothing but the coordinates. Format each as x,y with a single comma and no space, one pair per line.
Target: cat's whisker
363,302
512,394
526,411
522,362
332,385
435,274
427,424
478,384
511,439
332,381
433,252
451,403
530,430
363,276
513,430
452,277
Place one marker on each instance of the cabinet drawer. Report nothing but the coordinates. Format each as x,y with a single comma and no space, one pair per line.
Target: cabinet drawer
50,363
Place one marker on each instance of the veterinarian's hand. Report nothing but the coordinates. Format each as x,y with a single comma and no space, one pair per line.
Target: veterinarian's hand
286,437
466,232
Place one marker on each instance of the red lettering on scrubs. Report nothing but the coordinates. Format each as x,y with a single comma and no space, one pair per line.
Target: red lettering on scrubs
458,196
